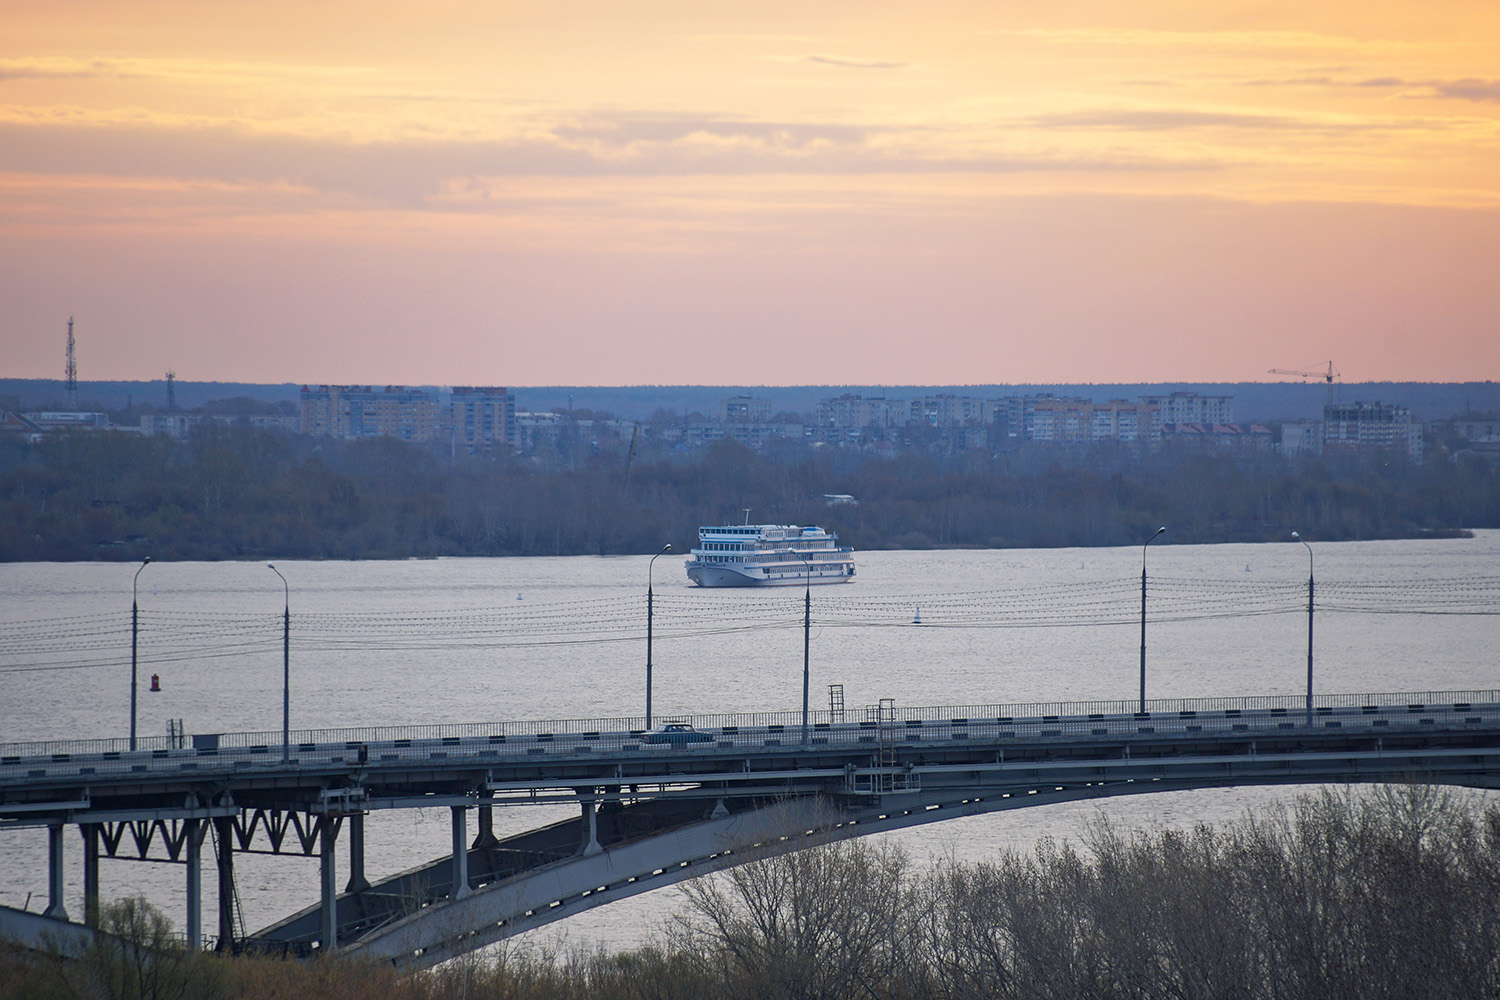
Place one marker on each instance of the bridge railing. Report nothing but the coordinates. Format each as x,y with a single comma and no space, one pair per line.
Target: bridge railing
622,729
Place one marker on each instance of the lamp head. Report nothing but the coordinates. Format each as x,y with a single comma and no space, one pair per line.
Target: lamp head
667,547
1296,536
145,560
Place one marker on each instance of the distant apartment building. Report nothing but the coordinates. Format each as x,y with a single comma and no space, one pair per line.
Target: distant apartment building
1371,426
180,425
1472,430
745,410
944,410
354,412
1302,437
1119,420
1016,415
852,419
1071,420
1056,420
69,420
1240,438
850,412
1191,408
482,418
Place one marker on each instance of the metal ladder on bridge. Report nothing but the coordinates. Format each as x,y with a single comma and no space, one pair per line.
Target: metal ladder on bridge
239,929
887,775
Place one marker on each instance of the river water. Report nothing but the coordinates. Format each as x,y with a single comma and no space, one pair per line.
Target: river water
473,640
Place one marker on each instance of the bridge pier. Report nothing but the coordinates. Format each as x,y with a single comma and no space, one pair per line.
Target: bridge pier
357,881
486,835
329,876
55,907
224,833
460,853
590,844
193,843
90,833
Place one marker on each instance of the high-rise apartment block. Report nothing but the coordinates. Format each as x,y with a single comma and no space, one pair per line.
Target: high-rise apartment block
746,410
1070,420
483,417
352,412
1367,426
849,412
947,411
1191,408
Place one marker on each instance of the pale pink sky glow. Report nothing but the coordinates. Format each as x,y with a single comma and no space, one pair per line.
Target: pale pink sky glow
511,194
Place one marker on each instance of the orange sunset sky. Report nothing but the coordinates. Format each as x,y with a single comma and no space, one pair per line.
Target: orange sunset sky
750,193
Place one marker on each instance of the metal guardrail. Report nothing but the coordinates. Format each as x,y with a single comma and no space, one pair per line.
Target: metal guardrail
481,745
740,720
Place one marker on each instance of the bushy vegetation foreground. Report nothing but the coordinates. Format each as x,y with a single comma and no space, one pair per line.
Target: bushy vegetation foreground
1389,893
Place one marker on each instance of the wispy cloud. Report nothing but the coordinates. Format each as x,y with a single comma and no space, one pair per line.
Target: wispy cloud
63,69
851,63
628,130
1466,89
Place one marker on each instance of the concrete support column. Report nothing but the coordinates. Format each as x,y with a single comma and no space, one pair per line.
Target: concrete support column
486,835
357,881
590,828
224,828
193,843
90,833
55,906
460,853
329,872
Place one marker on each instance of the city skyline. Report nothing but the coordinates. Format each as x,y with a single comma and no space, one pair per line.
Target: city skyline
771,195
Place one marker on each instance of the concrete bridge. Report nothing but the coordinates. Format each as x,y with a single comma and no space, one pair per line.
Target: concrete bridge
660,806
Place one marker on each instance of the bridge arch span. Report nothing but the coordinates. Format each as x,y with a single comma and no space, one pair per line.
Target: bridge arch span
456,926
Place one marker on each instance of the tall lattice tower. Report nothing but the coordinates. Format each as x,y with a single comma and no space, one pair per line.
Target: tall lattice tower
171,392
72,370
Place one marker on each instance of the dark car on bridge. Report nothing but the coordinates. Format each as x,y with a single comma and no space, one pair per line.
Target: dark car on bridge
676,734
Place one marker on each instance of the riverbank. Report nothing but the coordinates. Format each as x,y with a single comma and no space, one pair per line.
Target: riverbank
246,494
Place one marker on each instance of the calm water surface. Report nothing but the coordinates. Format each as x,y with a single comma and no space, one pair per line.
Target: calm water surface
460,640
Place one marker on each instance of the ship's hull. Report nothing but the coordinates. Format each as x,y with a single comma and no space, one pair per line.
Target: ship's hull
723,576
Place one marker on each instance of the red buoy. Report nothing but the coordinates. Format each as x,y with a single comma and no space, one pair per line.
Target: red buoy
155,682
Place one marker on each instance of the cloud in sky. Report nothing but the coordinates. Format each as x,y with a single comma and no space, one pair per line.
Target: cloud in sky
851,63
570,147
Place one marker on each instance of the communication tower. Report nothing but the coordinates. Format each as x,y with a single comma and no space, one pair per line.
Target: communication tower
72,370
171,392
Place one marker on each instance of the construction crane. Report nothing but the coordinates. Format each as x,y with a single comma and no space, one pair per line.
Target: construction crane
1327,375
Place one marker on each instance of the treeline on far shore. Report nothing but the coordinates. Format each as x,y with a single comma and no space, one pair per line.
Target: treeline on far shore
235,493
1390,892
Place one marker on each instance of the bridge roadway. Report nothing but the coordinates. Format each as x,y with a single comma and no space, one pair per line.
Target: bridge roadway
654,813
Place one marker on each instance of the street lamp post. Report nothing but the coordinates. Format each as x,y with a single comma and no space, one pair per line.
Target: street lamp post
1143,614
649,567
1309,625
806,638
135,631
286,665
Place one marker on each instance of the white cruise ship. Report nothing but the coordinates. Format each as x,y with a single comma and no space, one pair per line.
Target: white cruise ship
768,555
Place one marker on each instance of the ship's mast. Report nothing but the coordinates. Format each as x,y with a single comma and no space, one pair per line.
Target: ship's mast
72,370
